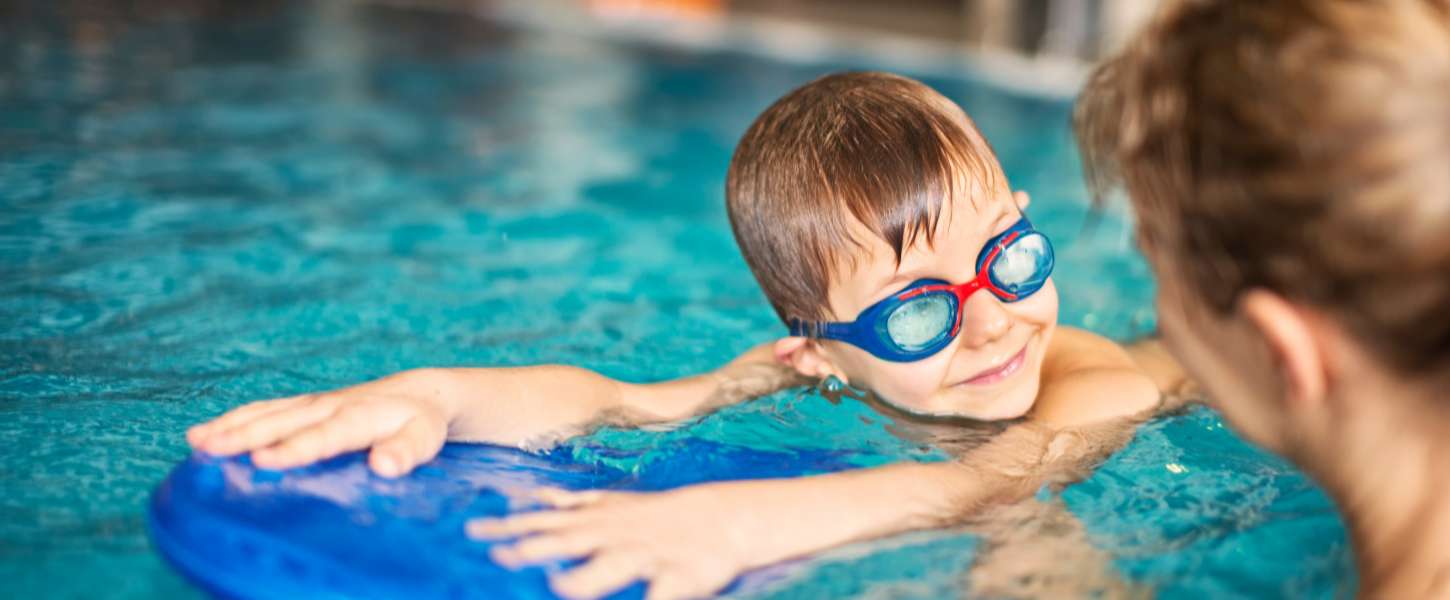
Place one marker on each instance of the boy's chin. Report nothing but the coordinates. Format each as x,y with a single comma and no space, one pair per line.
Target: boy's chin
1006,411
1005,407
1014,404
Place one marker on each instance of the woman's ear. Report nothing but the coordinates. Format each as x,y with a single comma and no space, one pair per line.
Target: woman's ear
1292,341
805,355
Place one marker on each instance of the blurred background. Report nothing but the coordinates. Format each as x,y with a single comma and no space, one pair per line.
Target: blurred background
1054,38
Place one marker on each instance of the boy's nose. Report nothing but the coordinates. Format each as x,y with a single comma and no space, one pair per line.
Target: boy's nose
984,320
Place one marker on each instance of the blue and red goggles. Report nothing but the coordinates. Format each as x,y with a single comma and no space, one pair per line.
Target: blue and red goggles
923,318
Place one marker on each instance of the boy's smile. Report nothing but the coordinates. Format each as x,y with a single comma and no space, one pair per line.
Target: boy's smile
998,373
991,369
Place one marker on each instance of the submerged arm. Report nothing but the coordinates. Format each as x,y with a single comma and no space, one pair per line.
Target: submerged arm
1095,394
693,540
1039,549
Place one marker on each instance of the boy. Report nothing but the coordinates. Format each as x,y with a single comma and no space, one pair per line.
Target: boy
881,228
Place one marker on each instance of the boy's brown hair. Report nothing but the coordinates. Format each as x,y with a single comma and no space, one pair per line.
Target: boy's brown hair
1301,146
881,149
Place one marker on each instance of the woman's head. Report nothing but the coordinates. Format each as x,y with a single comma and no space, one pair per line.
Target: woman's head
1289,163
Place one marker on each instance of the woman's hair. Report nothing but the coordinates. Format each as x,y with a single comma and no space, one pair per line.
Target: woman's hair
1301,146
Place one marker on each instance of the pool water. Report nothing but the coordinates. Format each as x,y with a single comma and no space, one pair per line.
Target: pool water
216,202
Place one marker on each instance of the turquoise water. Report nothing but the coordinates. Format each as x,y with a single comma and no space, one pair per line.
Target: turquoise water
215,204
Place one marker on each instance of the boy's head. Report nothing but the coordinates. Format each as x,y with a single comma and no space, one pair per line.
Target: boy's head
1290,165
853,187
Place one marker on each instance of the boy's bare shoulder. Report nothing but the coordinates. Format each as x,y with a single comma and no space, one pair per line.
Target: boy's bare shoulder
1153,357
1074,349
1087,378
1077,349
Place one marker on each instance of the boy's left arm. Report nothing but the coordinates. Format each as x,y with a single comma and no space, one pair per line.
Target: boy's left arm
694,540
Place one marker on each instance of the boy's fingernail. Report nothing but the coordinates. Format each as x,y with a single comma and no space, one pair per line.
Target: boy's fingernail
486,528
503,554
386,466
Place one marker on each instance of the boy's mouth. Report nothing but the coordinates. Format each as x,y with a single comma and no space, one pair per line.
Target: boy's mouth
1000,372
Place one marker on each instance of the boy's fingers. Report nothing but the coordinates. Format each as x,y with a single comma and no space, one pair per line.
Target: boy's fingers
237,416
418,441
605,573
566,499
669,586
516,525
347,429
547,546
268,428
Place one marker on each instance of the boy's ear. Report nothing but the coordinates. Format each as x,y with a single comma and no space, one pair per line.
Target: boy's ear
805,356
1291,338
1022,199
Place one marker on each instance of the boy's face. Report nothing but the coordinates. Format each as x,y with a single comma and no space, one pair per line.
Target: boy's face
992,369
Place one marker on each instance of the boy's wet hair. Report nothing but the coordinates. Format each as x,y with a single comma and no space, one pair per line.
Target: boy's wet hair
877,148
1301,146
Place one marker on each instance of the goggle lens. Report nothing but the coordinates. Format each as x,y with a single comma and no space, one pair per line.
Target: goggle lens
1024,265
920,322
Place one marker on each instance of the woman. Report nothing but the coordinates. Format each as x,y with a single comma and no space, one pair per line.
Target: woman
1289,162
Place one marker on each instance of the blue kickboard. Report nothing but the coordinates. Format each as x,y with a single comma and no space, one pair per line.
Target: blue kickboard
334,529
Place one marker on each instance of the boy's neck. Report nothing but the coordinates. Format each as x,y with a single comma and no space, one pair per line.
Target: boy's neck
1384,467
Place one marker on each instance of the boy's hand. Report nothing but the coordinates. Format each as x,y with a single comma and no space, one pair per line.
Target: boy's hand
694,540
686,543
403,418
406,417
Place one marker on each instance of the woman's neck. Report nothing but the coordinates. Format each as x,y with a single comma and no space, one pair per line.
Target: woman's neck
1382,457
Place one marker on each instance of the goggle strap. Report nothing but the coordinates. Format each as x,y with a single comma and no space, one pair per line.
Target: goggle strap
801,328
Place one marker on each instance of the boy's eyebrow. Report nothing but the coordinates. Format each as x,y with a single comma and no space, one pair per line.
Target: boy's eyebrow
893,282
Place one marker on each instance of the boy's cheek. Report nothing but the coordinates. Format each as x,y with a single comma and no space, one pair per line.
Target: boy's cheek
908,382
1038,310
907,385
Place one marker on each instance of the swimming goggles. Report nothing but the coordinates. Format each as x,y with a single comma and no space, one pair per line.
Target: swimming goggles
923,318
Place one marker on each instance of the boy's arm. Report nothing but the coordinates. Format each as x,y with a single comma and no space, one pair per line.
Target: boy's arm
1039,549
694,540
406,417
547,404
757,372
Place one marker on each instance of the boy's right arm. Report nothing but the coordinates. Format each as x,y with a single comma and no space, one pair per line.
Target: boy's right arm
405,418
